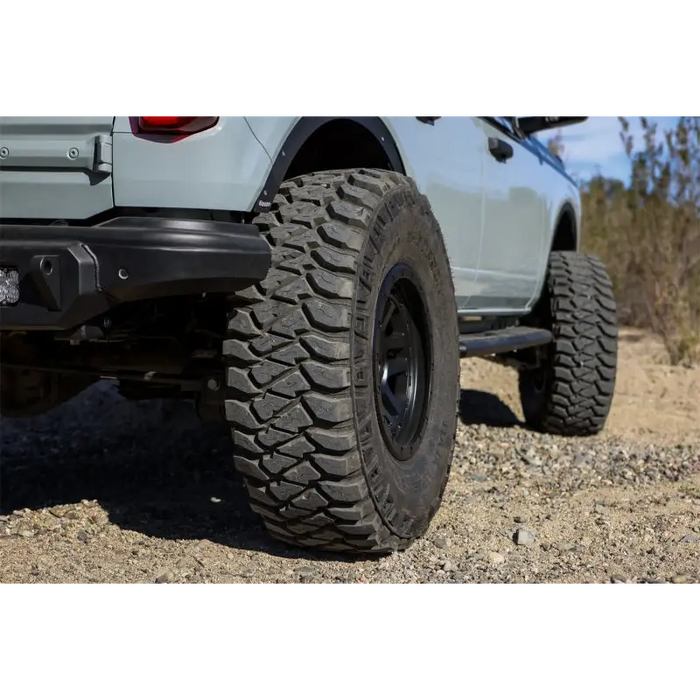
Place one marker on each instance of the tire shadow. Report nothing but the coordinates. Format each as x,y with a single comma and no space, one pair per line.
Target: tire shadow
482,408
151,465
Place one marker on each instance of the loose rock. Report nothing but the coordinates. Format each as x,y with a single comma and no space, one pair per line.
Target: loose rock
166,577
627,495
523,537
495,558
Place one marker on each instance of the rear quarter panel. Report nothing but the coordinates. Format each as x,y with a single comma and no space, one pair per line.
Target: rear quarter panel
272,132
222,168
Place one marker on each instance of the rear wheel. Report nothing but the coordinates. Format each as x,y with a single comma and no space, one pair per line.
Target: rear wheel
343,373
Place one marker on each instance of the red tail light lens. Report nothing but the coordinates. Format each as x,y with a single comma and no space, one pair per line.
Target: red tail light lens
176,125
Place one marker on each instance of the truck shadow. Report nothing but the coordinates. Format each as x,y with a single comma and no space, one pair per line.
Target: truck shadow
483,408
152,467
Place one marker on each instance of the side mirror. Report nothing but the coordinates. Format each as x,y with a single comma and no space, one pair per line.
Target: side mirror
533,125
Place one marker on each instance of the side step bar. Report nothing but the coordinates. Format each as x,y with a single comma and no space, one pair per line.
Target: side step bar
502,340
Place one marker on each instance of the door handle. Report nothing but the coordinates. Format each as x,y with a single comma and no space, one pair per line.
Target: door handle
501,150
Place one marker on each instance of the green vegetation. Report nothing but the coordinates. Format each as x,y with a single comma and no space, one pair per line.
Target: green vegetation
647,232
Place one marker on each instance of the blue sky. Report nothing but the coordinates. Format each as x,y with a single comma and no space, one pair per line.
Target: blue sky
595,146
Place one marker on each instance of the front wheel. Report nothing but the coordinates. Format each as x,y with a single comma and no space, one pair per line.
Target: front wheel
571,392
343,365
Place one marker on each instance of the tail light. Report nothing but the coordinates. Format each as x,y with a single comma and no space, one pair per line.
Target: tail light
175,125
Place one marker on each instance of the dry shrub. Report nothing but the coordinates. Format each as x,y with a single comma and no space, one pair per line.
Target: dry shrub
648,234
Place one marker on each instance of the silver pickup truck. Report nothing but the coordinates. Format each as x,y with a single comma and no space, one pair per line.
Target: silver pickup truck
312,281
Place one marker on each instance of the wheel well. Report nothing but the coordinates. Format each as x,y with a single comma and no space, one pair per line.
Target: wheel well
337,145
565,237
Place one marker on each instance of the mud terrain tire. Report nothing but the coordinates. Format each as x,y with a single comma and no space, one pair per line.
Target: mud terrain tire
313,380
573,391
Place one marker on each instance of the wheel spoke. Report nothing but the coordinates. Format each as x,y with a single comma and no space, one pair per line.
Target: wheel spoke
391,420
394,402
397,365
389,311
395,341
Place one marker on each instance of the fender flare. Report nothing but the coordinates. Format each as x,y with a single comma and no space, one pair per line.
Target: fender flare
300,134
567,209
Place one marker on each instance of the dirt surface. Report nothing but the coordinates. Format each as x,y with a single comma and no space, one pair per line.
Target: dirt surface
100,490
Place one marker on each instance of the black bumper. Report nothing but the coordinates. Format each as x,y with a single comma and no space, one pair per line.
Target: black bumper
69,274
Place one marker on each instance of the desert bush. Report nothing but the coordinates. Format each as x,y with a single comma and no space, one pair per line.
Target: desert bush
647,231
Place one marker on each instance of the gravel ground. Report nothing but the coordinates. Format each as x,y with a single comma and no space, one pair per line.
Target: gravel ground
101,490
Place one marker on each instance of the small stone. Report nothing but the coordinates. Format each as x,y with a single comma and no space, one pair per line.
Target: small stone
680,578
4,518
618,578
475,476
230,556
448,566
26,533
691,539
523,537
249,572
441,542
529,457
166,577
519,519
546,546
214,499
83,536
35,571
495,558
305,572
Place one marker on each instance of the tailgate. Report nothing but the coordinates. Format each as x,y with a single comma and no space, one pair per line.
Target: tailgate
55,167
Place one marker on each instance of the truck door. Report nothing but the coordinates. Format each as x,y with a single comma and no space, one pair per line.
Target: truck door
514,234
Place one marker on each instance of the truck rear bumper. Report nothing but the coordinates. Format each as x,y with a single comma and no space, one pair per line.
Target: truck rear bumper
67,275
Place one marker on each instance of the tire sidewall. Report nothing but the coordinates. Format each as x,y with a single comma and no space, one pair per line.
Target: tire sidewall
407,493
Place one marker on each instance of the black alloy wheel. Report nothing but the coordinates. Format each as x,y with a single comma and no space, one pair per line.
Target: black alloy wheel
402,361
